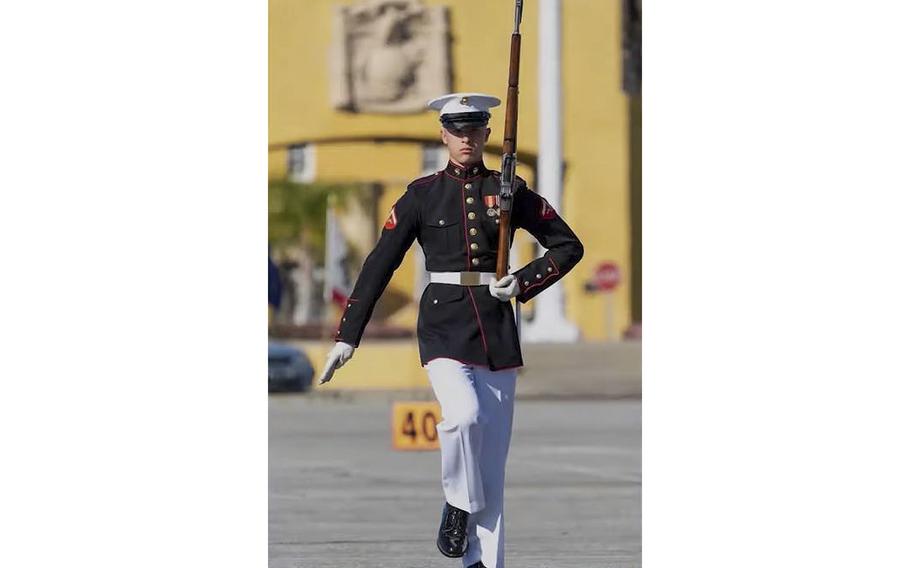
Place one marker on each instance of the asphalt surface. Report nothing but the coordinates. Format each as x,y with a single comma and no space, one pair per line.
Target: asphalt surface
340,497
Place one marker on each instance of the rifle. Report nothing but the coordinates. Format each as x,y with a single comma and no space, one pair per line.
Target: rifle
510,134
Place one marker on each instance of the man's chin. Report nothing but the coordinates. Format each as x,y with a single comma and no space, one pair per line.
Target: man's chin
465,158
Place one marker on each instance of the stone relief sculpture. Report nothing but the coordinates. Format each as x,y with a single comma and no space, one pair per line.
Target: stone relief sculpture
389,56
631,47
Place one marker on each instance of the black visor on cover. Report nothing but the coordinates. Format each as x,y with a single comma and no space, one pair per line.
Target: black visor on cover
461,120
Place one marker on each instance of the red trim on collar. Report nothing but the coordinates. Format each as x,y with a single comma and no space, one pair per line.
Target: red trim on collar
474,165
464,180
481,168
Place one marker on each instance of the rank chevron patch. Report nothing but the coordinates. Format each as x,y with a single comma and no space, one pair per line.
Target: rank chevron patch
392,221
546,212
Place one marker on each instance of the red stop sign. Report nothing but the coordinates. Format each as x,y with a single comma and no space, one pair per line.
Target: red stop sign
606,277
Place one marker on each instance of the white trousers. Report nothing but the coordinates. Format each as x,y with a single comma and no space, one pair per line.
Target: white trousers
474,435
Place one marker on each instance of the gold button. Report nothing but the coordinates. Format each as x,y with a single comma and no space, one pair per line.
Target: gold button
472,215
473,231
526,282
474,246
457,172
469,200
467,186
475,262
538,276
435,301
549,269
442,222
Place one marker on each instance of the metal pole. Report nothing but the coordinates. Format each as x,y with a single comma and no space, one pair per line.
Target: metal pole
549,322
609,316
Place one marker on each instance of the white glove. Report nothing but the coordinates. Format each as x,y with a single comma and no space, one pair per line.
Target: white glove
337,357
505,288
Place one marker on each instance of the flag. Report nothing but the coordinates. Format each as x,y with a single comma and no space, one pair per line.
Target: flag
337,284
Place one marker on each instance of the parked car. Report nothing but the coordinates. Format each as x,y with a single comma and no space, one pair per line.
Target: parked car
289,369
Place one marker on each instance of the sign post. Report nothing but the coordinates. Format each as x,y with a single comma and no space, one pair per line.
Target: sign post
605,279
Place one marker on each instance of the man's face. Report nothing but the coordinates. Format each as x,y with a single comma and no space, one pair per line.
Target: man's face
465,144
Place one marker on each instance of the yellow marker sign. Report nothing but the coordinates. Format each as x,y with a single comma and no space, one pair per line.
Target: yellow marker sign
414,425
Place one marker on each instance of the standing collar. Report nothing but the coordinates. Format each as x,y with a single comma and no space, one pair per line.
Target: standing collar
462,172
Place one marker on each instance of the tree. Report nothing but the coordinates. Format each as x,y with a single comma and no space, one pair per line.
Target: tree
297,214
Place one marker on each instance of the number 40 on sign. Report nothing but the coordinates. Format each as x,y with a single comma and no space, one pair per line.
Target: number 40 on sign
414,425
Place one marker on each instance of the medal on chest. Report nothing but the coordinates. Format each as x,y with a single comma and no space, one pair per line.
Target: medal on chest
492,203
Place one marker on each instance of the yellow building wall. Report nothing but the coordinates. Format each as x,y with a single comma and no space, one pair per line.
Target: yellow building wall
596,134
278,163
595,140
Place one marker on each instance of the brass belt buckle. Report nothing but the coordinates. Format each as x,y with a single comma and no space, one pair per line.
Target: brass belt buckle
470,279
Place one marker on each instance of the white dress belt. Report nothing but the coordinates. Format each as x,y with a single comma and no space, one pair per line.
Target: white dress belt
463,278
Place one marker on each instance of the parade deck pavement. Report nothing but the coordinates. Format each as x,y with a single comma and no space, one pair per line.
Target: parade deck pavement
340,497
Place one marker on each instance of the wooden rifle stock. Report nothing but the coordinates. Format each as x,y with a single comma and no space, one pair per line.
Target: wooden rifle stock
510,136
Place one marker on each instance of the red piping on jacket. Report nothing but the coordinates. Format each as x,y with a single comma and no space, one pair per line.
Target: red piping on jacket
468,363
467,247
423,180
483,337
552,274
487,365
477,164
465,180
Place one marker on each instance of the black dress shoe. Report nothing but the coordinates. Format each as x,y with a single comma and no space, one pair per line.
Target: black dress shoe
477,565
453,536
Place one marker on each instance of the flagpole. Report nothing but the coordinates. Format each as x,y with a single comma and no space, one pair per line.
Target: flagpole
330,252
